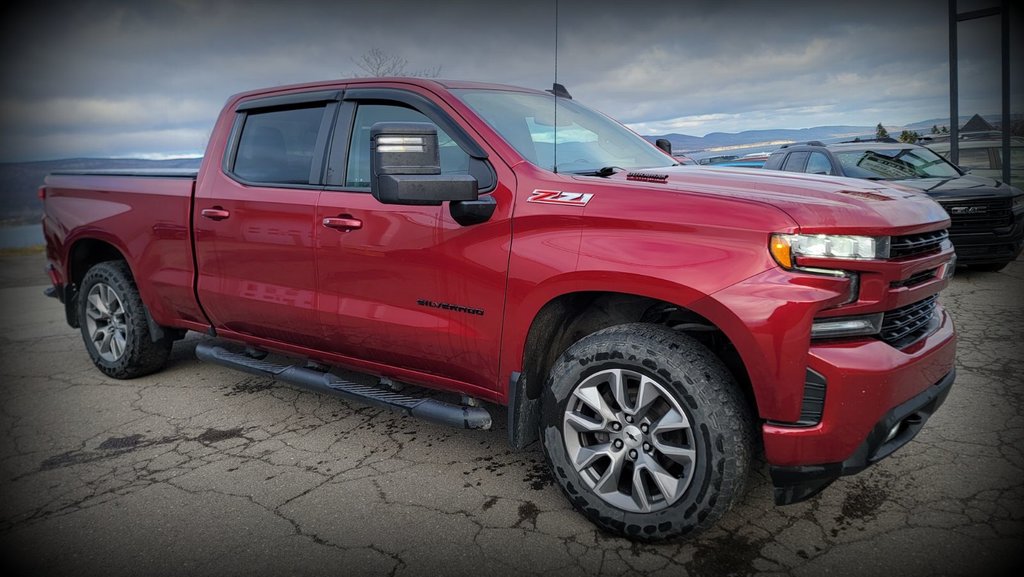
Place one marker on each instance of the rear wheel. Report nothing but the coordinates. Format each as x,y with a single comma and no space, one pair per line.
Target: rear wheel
114,326
646,432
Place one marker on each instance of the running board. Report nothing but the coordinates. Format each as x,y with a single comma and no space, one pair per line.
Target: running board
427,409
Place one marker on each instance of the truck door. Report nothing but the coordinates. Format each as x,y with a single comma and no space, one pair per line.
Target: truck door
407,286
253,220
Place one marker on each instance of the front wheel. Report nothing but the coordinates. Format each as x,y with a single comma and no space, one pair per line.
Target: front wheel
114,326
646,432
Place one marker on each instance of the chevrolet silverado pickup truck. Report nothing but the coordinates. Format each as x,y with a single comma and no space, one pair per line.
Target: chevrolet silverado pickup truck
651,325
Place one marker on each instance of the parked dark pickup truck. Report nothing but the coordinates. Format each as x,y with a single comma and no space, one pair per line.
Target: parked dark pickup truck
642,320
987,216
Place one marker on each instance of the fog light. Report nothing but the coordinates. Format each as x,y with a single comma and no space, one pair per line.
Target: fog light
834,327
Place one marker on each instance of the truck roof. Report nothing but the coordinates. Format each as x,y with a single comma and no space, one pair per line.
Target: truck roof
429,83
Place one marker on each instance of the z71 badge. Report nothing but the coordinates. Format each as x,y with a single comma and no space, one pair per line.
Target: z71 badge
560,197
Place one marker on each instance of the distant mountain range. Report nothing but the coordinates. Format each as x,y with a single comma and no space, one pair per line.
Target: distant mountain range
769,139
766,140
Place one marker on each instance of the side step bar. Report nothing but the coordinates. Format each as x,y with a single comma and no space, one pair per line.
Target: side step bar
427,409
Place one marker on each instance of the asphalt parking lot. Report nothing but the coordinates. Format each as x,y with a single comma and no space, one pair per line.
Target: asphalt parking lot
199,470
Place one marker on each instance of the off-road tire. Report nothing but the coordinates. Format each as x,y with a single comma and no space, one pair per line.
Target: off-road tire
140,354
719,417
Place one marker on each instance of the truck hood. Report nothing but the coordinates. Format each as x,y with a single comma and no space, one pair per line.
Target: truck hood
815,203
965,187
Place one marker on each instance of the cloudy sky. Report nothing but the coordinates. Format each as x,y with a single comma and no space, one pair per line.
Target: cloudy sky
126,78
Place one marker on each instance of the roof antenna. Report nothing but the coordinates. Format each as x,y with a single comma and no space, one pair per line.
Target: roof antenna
556,89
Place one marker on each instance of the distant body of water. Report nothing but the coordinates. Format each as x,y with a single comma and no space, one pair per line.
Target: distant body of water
21,236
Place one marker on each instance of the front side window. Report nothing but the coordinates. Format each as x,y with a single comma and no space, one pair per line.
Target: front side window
453,159
818,163
277,146
586,140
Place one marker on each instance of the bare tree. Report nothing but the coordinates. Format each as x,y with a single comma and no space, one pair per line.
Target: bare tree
377,62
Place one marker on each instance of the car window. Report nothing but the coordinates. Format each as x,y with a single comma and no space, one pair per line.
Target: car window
796,162
277,146
818,163
453,159
975,158
774,161
1016,157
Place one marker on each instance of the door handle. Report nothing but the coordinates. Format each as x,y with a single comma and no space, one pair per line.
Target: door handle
345,223
215,213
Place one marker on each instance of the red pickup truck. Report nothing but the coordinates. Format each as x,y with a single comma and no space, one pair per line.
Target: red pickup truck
645,321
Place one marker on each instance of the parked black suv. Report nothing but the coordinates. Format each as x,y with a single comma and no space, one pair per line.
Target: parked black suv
987,216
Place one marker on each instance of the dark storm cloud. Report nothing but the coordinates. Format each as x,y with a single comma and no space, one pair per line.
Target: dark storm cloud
121,77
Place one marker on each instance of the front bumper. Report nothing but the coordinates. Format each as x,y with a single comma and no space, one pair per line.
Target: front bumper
895,429
996,246
869,387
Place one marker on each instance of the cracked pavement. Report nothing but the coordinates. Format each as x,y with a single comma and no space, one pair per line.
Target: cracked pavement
201,470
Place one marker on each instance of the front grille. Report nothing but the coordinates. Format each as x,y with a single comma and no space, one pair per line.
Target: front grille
968,216
903,326
915,244
914,280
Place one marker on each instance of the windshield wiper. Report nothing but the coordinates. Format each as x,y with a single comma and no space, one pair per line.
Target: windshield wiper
603,172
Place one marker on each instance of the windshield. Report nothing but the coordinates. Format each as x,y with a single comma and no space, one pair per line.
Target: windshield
587,141
895,164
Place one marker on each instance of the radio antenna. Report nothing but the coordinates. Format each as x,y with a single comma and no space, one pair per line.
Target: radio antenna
554,90
558,91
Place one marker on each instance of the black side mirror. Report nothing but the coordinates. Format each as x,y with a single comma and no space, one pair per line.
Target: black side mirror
405,167
664,144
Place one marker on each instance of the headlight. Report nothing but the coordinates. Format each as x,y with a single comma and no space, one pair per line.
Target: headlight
788,248
1018,202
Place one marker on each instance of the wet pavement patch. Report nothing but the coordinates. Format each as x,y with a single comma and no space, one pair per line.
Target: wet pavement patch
121,443
538,476
727,555
250,386
216,435
528,511
862,501
64,460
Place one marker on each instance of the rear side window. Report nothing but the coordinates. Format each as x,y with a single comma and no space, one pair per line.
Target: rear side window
774,161
277,146
796,162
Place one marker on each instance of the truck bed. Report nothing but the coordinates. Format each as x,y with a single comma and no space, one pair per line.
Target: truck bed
145,215
148,172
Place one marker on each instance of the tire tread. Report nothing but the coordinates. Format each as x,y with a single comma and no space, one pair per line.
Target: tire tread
143,355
